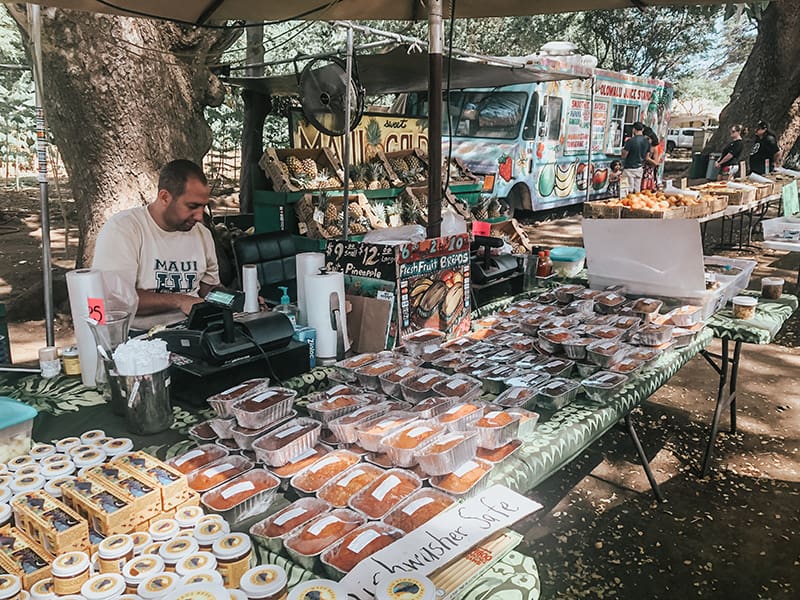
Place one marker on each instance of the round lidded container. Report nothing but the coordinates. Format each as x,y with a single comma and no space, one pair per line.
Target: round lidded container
233,552
188,516
53,487
139,569
57,469
152,548
114,551
43,590
5,494
91,436
80,448
68,443
15,464
266,582
10,587
71,360
140,539
126,597
163,529
208,578
5,515
405,587
199,590
70,572
772,287
117,446
157,585
29,483
89,458
34,469
177,549
209,529
237,595
199,562
106,586
323,589
42,451
55,458
744,307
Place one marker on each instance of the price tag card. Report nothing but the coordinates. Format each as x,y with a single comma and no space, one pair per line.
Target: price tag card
97,310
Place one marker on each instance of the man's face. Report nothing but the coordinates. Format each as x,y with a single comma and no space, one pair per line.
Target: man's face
183,212
760,131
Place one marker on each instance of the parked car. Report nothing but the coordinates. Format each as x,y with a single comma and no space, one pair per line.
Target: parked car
681,138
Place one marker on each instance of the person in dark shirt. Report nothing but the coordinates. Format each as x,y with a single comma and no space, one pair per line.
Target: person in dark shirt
728,163
634,152
765,148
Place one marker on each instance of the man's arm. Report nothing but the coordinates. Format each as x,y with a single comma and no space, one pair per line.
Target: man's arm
151,303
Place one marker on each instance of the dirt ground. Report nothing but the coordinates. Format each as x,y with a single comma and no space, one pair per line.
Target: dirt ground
733,534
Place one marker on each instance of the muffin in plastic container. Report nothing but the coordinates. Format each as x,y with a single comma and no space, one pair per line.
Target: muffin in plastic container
346,369
384,493
390,382
245,496
372,433
344,427
459,344
556,367
403,446
424,340
466,480
626,366
682,336
654,335
313,477
461,416
287,441
342,557
496,428
222,402
338,491
263,408
524,396
551,340
607,303
527,420
432,407
495,377
499,455
245,437
580,307
447,452
505,355
575,347
332,408
605,332
306,543
197,457
604,352
647,308
686,316
272,530
202,433
218,472
420,385
603,385
566,293
585,369
557,393
369,374
223,426
459,386
419,508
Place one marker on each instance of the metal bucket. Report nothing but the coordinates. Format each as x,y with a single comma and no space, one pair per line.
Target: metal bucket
147,405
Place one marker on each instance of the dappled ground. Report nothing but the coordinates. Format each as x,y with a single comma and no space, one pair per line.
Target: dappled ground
733,534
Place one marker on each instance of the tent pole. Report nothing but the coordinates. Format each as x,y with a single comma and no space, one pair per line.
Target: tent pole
348,111
591,135
435,44
41,154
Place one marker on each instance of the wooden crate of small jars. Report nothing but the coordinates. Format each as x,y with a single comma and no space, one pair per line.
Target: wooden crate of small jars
172,484
23,557
107,511
50,523
145,499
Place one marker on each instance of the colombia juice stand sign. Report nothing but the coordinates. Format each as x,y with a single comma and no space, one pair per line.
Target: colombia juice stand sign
433,281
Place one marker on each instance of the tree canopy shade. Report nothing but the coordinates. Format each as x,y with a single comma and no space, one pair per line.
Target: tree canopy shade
203,11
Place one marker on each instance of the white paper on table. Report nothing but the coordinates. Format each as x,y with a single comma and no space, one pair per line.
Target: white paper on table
789,172
659,257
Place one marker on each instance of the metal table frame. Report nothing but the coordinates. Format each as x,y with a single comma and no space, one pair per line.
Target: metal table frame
756,209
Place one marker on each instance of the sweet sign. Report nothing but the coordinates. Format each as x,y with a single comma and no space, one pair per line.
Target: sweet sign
445,537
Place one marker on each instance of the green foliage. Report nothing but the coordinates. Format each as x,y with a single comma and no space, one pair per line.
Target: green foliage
17,104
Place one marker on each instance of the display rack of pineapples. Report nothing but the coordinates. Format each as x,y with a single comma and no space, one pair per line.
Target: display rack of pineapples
409,169
308,175
329,221
413,209
370,175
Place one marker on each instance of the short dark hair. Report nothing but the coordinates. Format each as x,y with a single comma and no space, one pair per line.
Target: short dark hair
176,173
762,125
638,126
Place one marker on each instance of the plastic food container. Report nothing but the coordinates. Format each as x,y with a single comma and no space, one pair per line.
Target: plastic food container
403,445
202,433
296,464
332,408
494,378
344,427
447,452
496,428
575,347
419,386
391,380
565,293
287,441
222,403
345,485
385,492
272,530
498,455
604,352
306,543
556,367
431,407
371,433
459,386
626,366
218,472
472,366
531,323
527,420
647,307
557,393
346,369
568,261
550,340
642,353
602,385
524,396
422,341
682,337
686,316
771,288
16,424
460,416
358,545
654,335
466,480
419,508
448,362
607,303
312,478
261,409
744,307
247,495
523,344
369,374
196,458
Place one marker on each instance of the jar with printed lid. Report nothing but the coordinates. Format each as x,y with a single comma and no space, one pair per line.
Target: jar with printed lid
233,552
117,446
398,586
208,578
139,569
163,530
157,586
152,548
88,458
265,582
60,468
15,464
140,539
29,483
27,470
126,597
176,550
5,494
41,451
113,552
237,595
198,562
70,572
208,530
188,516
5,515
10,587
43,590
91,436
320,589
68,443
53,487
106,586
197,591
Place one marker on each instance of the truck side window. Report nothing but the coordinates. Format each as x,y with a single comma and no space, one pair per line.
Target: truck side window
550,128
622,119
529,131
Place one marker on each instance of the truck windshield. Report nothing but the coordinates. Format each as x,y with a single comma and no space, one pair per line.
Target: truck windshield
489,114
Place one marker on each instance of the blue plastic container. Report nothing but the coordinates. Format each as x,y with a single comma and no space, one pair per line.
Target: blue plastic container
16,425
568,261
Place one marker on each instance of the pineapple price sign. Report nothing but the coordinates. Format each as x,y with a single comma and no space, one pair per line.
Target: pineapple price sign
375,261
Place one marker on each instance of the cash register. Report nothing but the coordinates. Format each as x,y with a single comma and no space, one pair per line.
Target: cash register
218,346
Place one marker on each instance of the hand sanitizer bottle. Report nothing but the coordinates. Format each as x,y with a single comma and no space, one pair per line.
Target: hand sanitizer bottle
290,310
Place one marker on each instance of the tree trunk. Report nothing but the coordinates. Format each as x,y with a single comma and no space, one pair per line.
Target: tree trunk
768,87
256,109
122,97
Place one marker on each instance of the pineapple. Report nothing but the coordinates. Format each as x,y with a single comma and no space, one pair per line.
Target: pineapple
414,163
380,211
374,137
329,209
333,231
374,172
398,164
356,212
295,166
482,211
358,174
310,168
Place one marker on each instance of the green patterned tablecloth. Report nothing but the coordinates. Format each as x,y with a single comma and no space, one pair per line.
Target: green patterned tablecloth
770,317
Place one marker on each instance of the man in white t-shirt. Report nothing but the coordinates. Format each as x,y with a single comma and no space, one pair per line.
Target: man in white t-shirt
165,245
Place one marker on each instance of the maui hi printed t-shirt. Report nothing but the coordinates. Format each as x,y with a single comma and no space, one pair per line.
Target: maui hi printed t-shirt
163,261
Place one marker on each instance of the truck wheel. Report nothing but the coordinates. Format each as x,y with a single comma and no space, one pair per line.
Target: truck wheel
519,200
670,146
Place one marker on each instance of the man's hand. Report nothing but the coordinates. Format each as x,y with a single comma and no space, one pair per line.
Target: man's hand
185,303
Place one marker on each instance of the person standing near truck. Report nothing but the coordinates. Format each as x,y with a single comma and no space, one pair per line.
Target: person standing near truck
634,152
765,148
728,163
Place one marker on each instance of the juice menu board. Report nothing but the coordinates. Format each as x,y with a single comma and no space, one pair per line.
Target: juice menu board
578,119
